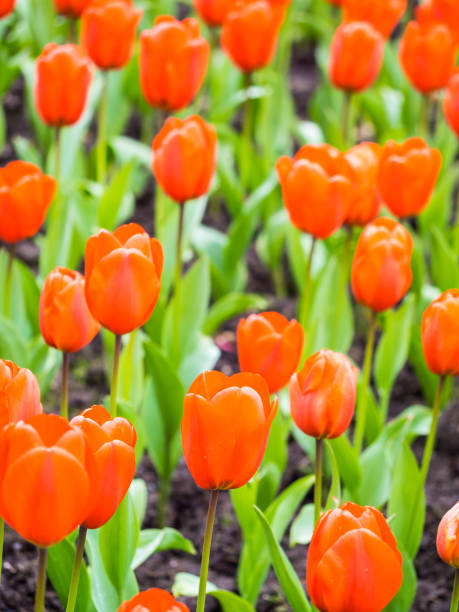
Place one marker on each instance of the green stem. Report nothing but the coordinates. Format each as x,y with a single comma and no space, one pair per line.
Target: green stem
102,133
2,532
73,590
57,153
65,385
163,500
177,287
430,442
247,132
363,400
342,287
345,117
303,311
318,481
41,580
8,279
72,33
424,117
206,551
114,385
455,597
125,392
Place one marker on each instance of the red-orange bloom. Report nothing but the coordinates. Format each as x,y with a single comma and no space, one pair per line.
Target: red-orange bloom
111,465
225,428
123,277
356,56
71,8
383,15
315,188
427,54
173,62
451,103
153,600
185,157
381,268
63,77
353,561
212,11
108,32
446,11
408,174
6,6
269,344
65,320
44,485
25,196
440,334
447,537
363,160
250,31
19,394
322,394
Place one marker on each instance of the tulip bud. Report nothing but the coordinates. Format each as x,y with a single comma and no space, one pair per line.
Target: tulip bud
440,334
451,103
6,7
447,537
153,600
365,203
271,345
383,15
213,12
445,11
71,8
19,394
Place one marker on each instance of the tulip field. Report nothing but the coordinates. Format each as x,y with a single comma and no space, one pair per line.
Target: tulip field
229,316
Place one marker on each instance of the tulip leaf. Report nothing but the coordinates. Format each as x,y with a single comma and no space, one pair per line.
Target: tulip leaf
229,306
402,602
334,494
103,592
154,540
303,526
288,580
348,462
203,356
109,213
187,585
445,271
139,495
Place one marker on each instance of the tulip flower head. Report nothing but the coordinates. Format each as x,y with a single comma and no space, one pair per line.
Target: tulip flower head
271,345
19,394
65,320
322,394
440,334
213,12
108,32
408,174
25,196
6,7
173,62
451,103
185,157
353,561
445,11
225,428
71,8
381,267
356,56
123,277
447,537
315,188
363,160
153,600
383,15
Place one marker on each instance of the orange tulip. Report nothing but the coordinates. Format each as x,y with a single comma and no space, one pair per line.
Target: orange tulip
71,8
356,56
63,77
451,103
447,537
44,485
381,272
225,428
271,345
383,15
322,394
407,175
153,600
65,320
111,444
446,11
185,157
315,189
173,62
250,31
440,334
25,196
213,12
427,55
363,160
108,32
354,564
19,394
123,277
6,7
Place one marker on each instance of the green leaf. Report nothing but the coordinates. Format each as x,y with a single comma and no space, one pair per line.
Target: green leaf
303,526
154,540
334,494
103,592
229,306
139,494
445,271
348,462
187,585
403,601
108,214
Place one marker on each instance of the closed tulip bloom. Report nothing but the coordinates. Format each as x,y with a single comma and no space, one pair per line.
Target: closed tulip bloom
353,564
322,394
446,11
65,320
271,345
19,394
408,173
250,32
213,12
315,188
153,600
451,103
383,15
381,268
173,62
71,8
6,6
123,277
108,32
356,56
63,77
111,444
44,485
440,334
25,196
427,55
185,157
225,428
365,203
447,537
